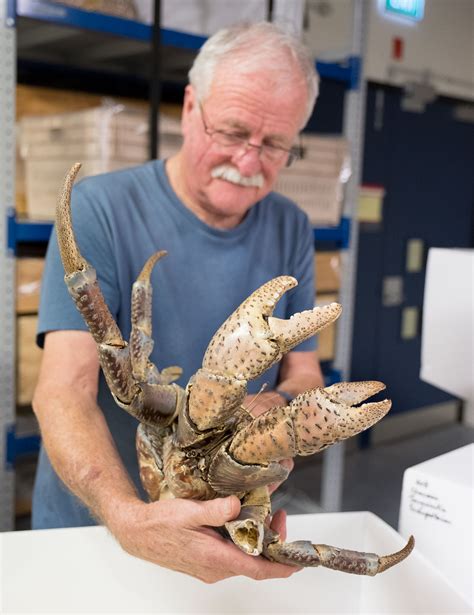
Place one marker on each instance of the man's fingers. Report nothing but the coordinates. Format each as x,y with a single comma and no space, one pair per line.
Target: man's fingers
278,523
216,512
258,568
288,463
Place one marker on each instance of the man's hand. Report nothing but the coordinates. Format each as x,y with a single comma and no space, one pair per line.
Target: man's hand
178,534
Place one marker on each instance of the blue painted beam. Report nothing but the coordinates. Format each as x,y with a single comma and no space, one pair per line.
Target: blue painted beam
20,445
26,232
331,376
339,235
77,18
44,10
347,71
39,232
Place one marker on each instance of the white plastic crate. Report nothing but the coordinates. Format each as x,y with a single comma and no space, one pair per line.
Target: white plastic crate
316,182
103,139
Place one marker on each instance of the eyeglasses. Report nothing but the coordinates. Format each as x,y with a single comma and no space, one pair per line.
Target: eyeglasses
236,140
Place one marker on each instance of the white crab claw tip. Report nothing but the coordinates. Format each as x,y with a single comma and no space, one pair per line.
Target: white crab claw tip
265,298
289,333
354,392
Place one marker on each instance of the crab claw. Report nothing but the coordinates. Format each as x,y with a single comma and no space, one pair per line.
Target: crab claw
310,423
250,341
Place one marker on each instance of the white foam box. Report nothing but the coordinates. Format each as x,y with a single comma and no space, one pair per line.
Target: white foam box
447,345
83,570
437,508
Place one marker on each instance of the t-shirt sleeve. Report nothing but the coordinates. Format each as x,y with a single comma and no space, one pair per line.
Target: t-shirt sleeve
303,296
57,310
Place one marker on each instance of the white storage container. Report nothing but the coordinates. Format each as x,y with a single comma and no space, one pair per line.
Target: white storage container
49,564
437,507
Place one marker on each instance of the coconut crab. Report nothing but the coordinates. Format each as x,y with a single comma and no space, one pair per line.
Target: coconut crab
200,442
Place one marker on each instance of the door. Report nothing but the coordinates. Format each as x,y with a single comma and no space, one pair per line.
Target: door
425,163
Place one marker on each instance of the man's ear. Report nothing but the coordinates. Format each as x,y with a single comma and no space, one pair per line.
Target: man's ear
189,104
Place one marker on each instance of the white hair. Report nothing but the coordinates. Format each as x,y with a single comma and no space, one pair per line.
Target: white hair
249,48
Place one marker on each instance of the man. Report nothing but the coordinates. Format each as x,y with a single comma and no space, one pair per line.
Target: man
251,91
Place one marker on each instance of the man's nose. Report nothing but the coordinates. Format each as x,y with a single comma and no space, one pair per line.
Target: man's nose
247,160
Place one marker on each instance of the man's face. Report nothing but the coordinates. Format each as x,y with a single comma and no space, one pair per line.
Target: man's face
223,182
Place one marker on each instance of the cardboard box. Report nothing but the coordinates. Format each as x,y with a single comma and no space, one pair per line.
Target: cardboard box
28,283
316,182
327,266
28,359
437,508
447,345
327,337
112,581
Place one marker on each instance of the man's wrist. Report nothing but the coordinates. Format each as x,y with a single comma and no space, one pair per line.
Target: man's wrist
288,397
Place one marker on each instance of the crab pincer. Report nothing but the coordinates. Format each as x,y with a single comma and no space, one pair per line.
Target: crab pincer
251,340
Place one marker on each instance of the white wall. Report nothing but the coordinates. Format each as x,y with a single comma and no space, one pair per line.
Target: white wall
442,43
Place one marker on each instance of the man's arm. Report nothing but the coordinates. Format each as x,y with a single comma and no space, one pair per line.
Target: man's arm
177,533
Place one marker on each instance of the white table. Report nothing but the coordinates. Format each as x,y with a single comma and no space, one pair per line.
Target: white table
83,570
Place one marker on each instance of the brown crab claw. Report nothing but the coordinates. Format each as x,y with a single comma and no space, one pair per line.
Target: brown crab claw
250,341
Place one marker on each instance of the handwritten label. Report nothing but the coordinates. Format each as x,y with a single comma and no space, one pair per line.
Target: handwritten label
423,502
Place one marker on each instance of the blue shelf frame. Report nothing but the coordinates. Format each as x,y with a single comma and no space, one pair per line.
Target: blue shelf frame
26,232
347,71
39,232
338,235
43,10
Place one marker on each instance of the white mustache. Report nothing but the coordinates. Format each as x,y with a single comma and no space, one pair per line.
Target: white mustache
231,174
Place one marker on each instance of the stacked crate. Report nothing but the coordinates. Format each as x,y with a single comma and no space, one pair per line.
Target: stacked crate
316,182
105,138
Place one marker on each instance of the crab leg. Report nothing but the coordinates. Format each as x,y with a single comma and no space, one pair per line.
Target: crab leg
310,423
133,380
304,553
251,534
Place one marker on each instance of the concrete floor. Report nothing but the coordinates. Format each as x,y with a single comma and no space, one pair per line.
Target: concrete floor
372,477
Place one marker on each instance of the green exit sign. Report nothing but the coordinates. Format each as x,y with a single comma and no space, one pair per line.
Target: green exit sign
412,9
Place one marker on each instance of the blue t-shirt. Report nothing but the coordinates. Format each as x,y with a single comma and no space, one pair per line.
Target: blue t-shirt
120,219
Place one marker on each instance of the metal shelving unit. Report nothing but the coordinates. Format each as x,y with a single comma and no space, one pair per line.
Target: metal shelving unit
14,232
353,130
7,262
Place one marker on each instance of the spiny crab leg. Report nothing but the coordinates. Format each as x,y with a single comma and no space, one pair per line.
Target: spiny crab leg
304,553
310,423
133,380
